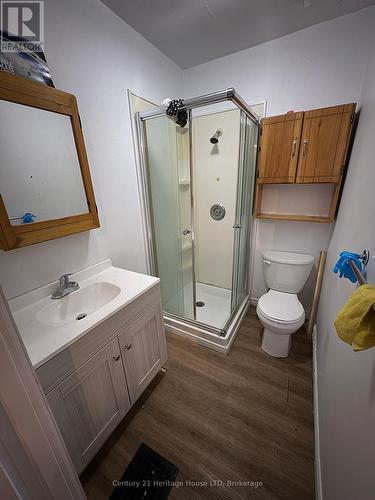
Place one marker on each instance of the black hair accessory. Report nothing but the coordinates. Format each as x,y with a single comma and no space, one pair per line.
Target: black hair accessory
182,118
173,107
174,110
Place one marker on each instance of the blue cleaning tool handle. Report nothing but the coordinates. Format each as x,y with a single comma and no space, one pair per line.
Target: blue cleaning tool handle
27,218
342,266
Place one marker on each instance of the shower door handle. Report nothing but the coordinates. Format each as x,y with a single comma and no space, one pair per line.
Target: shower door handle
185,232
237,226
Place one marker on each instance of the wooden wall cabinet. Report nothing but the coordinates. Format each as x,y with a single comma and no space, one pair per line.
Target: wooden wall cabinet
324,144
304,148
280,138
90,401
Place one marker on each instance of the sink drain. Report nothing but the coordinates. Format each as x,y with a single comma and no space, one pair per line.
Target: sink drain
81,316
200,303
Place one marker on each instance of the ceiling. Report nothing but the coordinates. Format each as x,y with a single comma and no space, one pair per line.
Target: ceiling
192,32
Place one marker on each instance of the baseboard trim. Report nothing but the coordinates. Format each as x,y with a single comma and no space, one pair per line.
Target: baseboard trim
254,301
318,476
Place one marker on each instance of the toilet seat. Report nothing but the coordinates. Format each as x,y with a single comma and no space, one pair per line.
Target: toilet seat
281,307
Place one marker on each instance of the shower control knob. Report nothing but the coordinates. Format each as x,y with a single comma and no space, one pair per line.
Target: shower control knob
217,211
186,231
116,357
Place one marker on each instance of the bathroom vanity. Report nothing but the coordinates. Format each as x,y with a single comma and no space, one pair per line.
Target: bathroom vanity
94,351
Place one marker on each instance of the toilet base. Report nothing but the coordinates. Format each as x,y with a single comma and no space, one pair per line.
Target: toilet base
276,344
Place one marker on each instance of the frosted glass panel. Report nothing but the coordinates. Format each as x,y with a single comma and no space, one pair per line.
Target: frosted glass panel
246,175
170,197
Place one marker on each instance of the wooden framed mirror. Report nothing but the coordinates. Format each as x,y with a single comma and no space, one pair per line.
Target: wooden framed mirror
45,183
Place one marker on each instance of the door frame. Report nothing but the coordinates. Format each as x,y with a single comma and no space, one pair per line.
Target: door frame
34,461
137,136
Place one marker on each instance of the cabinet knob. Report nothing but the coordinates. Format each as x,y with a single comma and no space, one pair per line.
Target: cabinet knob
127,346
116,357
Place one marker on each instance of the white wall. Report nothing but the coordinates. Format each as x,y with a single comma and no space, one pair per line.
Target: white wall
346,379
297,199
319,66
322,65
96,56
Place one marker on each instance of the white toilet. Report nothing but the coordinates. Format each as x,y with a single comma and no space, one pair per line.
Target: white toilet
279,310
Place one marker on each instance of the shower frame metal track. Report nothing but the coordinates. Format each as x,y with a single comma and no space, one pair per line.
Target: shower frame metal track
206,99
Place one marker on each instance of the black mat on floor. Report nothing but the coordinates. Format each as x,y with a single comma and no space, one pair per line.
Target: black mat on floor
148,476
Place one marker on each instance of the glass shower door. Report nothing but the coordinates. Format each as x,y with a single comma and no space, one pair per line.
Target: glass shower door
246,176
202,259
168,169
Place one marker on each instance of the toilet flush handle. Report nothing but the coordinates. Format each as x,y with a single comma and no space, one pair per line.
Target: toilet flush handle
268,262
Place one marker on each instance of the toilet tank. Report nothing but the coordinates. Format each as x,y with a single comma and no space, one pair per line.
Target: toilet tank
286,271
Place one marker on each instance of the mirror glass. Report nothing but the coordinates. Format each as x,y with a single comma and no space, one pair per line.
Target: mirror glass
40,175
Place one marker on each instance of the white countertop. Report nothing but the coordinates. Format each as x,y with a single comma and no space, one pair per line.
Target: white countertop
44,341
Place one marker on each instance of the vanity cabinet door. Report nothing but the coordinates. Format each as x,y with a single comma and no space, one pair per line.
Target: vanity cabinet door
143,350
90,403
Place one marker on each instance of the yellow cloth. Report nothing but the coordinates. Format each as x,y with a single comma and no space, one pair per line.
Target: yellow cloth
355,323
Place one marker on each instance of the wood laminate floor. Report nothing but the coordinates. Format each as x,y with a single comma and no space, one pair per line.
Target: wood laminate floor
242,417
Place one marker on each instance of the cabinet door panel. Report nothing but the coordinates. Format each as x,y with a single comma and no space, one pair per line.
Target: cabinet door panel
324,143
279,148
90,403
143,350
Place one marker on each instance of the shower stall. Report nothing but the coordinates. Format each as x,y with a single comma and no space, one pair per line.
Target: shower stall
197,185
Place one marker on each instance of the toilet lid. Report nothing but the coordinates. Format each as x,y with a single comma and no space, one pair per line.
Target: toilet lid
281,306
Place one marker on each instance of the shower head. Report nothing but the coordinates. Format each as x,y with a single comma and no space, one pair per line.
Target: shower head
215,138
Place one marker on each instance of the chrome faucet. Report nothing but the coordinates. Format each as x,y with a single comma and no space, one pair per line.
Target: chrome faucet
64,287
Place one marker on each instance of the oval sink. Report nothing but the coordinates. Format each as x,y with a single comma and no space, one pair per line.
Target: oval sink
78,305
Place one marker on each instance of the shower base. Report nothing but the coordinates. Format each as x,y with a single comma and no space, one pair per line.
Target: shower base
216,309
200,334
